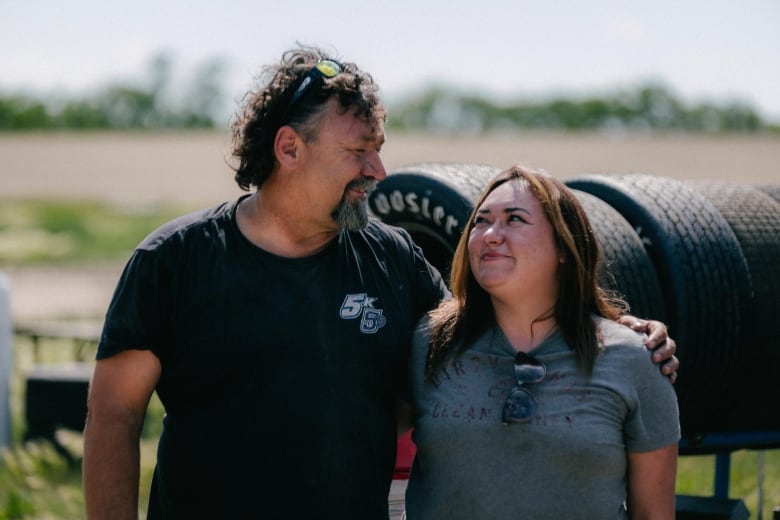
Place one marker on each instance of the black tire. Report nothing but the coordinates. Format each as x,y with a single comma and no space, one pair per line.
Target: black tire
626,267
773,190
754,217
704,278
432,202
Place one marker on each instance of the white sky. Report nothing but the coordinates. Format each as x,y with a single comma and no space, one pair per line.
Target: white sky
713,50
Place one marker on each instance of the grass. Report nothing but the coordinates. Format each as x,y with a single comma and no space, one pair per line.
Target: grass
56,232
696,477
37,483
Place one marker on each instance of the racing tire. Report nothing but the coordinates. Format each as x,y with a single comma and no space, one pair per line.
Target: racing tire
626,268
432,202
773,190
704,278
754,217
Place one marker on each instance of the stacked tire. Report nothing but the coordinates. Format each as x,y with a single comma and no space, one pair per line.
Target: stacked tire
703,257
714,247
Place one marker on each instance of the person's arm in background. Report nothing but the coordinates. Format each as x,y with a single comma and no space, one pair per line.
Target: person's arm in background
119,394
651,484
658,341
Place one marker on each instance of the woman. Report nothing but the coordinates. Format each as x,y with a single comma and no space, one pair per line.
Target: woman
533,401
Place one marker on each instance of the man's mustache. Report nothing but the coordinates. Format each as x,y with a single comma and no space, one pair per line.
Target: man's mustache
367,185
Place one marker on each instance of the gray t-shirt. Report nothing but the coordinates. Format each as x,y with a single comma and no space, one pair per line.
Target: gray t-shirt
569,461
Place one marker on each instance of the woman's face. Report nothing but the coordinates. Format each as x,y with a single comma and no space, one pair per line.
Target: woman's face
511,248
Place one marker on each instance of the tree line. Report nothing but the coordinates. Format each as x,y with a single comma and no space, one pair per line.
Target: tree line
159,102
646,107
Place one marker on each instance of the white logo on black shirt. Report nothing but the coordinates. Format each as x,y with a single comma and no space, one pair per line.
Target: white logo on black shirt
362,305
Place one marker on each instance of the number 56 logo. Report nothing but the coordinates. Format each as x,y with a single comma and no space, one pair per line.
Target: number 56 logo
362,305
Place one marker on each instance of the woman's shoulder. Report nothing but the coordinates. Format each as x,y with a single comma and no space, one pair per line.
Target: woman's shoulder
423,327
624,351
613,335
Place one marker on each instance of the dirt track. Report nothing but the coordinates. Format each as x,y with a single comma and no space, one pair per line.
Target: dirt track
191,169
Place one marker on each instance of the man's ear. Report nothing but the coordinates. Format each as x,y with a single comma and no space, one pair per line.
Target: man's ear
286,146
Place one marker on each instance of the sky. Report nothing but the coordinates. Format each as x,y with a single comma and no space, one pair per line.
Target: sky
717,51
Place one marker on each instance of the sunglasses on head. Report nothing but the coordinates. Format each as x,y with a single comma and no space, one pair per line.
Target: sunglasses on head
323,69
520,405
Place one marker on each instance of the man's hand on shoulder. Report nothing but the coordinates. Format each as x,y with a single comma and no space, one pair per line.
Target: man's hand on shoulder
658,341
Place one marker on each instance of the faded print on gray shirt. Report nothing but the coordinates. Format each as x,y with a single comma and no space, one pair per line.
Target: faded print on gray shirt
568,461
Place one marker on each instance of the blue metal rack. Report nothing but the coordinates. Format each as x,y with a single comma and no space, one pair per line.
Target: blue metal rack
722,444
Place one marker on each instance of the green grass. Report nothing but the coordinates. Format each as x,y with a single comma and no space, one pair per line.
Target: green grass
36,482
56,232
696,477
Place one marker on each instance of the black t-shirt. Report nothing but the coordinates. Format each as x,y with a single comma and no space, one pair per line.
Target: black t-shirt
278,375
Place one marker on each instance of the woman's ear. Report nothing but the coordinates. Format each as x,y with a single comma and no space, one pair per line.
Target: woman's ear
286,146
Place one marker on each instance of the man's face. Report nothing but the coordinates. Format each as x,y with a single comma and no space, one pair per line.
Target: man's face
343,165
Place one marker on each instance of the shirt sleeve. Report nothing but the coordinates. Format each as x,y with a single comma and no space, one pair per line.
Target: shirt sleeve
654,419
140,306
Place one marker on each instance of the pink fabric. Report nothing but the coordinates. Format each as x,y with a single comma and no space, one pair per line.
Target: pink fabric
404,457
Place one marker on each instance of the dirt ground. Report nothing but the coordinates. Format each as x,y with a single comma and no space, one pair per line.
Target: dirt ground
191,168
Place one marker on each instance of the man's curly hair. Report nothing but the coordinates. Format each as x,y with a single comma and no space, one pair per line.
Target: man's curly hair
267,108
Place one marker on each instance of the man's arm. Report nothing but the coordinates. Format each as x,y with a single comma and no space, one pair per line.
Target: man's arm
119,394
658,341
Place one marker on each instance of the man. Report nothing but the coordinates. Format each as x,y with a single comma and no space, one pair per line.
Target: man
274,329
